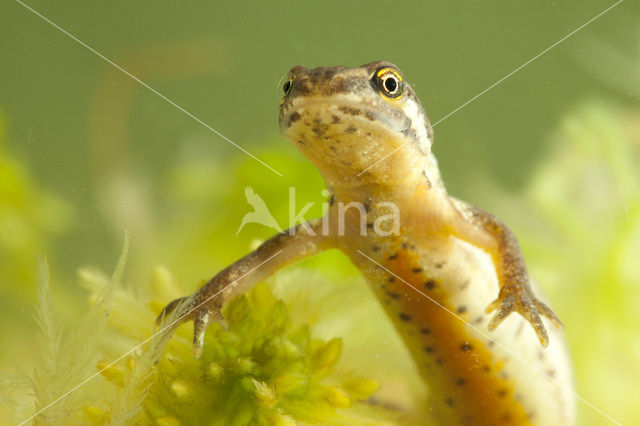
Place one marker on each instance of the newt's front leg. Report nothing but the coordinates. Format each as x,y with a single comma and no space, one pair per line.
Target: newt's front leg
281,250
485,231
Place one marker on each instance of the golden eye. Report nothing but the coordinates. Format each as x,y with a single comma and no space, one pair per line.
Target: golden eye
390,82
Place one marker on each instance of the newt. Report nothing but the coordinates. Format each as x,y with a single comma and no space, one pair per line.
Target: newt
438,265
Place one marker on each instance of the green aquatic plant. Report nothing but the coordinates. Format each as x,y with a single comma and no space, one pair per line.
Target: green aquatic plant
66,359
578,221
261,370
265,368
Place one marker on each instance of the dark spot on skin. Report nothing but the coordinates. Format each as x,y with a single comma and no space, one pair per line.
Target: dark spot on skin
321,81
504,375
350,110
335,119
439,361
394,296
430,284
370,116
518,397
450,402
540,355
332,148
502,393
295,116
368,134
465,347
461,381
506,417
332,199
425,330
369,225
551,373
416,270
376,248
410,133
491,343
464,285
392,279
428,349
350,129
531,415
301,142
393,256
404,317
439,265
303,89
428,180
486,369
405,245
462,309
387,301
320,129
478,320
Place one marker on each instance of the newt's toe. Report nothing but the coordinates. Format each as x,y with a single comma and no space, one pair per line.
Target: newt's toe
531,315
546,311
503,307
531,309
201,321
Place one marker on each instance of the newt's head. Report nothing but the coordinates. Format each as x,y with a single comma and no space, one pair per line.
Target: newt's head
347,119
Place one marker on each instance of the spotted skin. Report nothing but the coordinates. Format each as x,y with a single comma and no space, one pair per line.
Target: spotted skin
457,362
438,275
474,380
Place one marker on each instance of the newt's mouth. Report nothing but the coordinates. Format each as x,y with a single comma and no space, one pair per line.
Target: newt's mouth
340,112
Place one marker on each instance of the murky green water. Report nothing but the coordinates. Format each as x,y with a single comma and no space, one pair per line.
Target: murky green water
86,152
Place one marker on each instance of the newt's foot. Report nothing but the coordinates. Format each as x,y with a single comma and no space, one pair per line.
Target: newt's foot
522,300
202,310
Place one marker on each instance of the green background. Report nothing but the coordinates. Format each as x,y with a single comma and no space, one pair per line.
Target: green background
75,121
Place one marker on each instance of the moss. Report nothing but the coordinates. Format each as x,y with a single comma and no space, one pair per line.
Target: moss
263,369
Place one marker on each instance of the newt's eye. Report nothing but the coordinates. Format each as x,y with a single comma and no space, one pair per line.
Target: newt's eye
286,87
390,82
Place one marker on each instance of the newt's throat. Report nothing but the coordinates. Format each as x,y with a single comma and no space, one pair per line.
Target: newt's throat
348,149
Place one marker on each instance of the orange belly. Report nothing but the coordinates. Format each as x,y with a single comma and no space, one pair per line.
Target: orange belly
466,381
